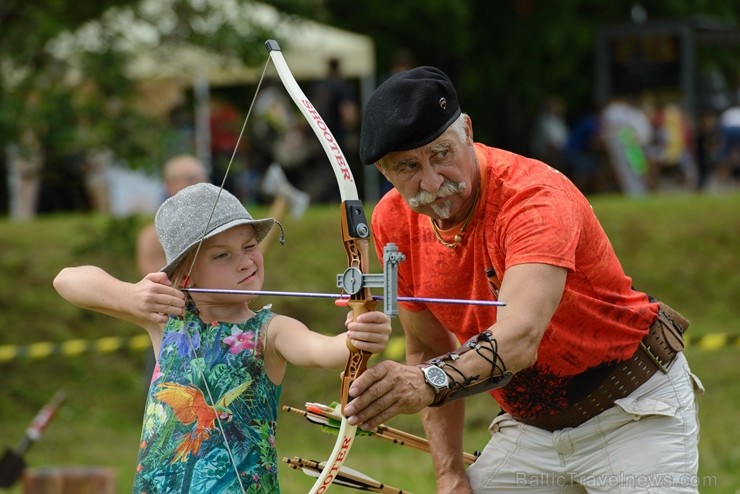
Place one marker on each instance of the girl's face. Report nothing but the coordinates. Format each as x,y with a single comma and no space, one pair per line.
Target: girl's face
231,260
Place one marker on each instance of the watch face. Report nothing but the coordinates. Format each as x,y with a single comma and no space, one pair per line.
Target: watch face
436,376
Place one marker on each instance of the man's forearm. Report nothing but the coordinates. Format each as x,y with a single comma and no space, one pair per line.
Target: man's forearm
444,429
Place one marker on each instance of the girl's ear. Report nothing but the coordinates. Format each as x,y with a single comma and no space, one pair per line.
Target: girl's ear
179,278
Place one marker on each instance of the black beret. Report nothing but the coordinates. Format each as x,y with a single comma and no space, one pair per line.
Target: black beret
408,110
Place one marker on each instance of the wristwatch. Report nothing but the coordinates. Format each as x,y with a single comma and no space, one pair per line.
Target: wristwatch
435,377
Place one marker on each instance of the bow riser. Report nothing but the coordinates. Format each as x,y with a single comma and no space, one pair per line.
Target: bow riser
355,233
356,365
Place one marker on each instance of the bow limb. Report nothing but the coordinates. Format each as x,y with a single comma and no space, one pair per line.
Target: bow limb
355,235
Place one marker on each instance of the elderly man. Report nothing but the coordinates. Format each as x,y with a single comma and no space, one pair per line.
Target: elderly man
595,393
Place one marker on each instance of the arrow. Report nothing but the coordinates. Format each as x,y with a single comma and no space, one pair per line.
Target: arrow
329,417
345,476
341,298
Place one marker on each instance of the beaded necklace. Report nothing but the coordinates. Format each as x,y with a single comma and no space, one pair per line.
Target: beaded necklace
459,235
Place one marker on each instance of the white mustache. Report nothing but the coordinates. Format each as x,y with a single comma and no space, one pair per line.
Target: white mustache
448,188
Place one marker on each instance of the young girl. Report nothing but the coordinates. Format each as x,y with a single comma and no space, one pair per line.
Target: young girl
209,425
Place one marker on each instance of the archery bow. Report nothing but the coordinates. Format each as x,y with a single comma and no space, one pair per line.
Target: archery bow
355,235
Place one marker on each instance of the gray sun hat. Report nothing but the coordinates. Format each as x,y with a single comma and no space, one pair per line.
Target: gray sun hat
181,220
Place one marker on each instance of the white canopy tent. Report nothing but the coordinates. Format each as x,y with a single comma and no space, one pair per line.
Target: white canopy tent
306,44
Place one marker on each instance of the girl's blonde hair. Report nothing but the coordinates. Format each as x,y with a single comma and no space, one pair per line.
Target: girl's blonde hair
181,270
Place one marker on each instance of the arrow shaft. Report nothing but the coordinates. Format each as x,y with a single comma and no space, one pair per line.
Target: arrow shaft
345,476
327,418
337,296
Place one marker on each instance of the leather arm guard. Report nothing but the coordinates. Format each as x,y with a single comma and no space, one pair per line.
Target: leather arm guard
484,346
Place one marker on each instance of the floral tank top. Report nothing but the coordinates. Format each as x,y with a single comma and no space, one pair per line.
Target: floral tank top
211,411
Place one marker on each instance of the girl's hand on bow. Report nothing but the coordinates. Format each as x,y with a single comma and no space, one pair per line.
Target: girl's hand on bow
370,331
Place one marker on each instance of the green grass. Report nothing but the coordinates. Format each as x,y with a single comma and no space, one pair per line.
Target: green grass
682,249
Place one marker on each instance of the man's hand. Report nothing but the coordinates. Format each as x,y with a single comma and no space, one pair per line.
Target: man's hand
386,390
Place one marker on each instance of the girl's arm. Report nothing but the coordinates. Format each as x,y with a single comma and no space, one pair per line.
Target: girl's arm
296,344
145,303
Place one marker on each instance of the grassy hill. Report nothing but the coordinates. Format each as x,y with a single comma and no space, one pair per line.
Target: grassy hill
682,249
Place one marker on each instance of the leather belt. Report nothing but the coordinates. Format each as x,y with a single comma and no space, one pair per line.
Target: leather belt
655,353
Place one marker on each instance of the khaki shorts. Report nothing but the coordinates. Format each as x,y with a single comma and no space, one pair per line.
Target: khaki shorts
646,443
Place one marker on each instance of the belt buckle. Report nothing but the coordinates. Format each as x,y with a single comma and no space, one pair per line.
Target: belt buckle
654,358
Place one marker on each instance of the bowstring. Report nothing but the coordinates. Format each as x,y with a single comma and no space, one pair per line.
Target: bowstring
226,173
186,280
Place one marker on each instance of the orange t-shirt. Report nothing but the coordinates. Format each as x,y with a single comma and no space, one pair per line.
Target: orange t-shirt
528,213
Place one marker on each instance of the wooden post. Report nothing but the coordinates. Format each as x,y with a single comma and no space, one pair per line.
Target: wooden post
69,480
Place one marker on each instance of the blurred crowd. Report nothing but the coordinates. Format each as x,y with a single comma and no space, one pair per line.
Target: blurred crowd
640,145
277,135
276,143
629,145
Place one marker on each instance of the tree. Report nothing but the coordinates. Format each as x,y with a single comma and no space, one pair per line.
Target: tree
505,56
66,89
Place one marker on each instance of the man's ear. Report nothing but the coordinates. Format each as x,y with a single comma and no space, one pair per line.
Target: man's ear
468,127
380,168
